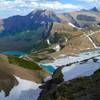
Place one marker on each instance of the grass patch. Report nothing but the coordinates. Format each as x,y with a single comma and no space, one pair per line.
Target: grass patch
23,63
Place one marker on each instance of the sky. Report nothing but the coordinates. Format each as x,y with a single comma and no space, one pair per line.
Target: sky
23,7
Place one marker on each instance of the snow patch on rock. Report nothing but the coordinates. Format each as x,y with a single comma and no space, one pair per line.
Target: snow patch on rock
48,42
70,24
70,59
25,90
57,48
79,70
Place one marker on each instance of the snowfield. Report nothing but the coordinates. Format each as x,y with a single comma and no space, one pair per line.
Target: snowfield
70,59
78,69
25,90
28,90
70,24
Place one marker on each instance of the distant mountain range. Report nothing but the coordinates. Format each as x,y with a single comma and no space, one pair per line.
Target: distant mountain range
22,32
32,21
94,9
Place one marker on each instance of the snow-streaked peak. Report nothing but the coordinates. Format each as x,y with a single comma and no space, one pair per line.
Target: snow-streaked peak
70,24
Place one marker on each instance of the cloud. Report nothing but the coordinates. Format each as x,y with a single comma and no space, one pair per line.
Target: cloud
59,6
35,4
95,3
92,1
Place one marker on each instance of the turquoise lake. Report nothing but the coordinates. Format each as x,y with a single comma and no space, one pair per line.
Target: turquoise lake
49,68
16,53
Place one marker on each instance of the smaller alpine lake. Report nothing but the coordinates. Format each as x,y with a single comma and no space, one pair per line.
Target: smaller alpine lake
16,53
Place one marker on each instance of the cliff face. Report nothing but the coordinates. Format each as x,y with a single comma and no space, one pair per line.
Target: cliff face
80,88
83,88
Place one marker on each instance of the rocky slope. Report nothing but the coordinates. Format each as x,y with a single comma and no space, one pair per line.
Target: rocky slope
77,89
84,16
75,81
45,34
68,38
26,32
20,79
24,69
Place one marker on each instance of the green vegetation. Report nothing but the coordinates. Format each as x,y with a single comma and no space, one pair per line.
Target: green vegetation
23,63
57,37
41,45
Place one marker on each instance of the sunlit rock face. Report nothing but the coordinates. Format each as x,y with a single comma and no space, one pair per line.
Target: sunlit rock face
18,83
14,88
7,83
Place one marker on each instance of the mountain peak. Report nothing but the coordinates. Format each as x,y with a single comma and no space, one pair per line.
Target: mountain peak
45,15
41,12
94,9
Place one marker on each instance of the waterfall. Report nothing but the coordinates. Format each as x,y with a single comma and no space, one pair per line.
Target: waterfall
48,42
